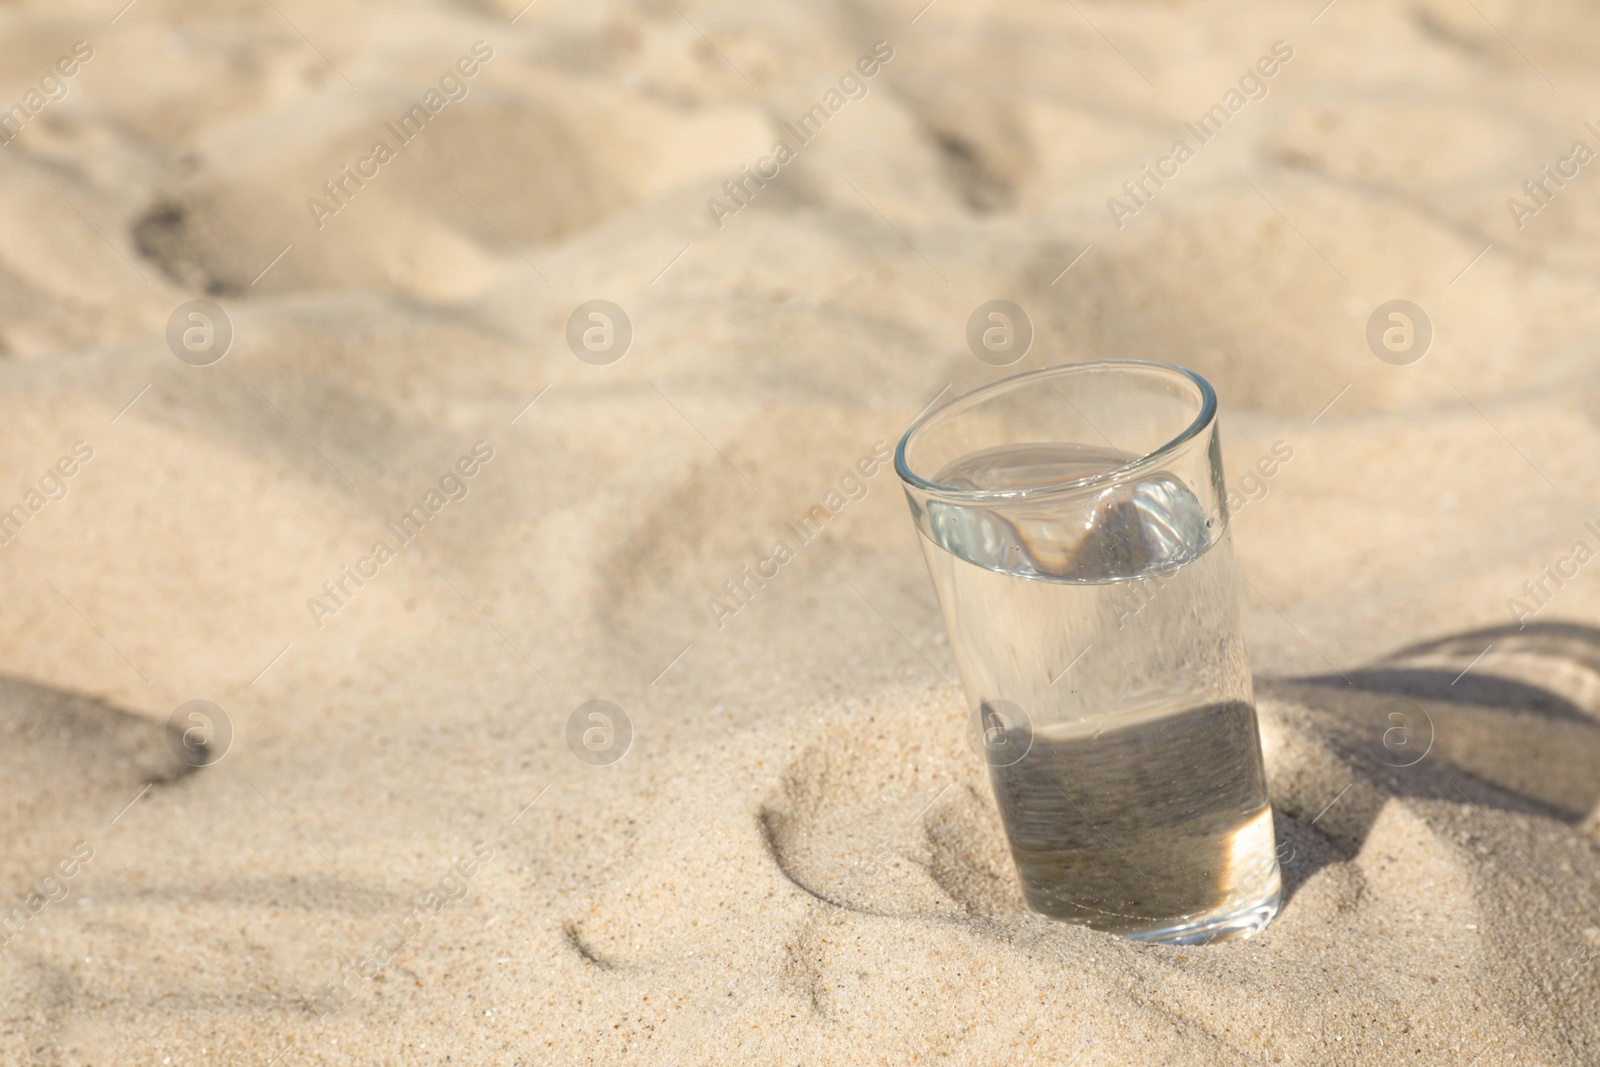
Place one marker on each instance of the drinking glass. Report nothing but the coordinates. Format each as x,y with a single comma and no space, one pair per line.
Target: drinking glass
1074,521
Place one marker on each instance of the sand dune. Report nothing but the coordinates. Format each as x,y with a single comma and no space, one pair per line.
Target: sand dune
797,860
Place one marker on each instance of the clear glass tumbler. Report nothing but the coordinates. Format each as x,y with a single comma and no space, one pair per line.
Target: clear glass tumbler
1075,524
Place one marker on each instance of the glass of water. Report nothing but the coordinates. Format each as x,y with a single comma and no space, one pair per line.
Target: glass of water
1074,522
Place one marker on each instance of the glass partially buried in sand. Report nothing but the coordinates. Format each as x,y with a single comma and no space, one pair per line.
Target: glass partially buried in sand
1074,523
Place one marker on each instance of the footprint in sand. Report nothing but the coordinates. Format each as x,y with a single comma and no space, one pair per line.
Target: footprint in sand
69,764
1517,733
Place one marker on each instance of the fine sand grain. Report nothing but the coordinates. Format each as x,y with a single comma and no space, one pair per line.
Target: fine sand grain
400,859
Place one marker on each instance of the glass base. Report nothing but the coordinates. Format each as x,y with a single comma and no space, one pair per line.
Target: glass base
1235,926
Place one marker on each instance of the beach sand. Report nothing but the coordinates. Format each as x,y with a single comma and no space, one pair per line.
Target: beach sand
399,856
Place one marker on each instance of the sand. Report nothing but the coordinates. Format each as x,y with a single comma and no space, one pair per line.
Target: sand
399,858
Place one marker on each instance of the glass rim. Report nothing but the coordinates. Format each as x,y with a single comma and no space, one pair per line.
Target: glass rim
973,397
